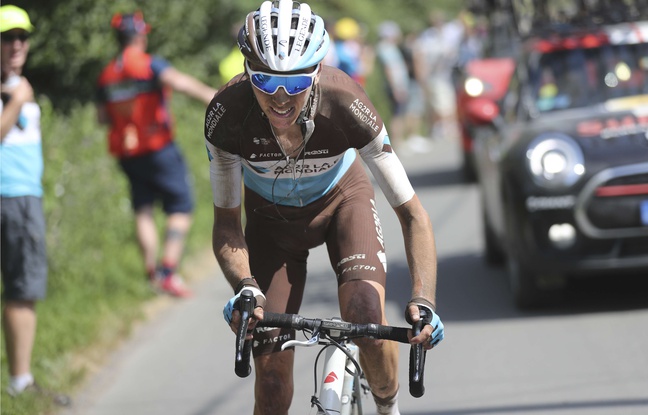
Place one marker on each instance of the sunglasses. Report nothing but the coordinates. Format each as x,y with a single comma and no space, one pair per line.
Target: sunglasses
12,37
293,84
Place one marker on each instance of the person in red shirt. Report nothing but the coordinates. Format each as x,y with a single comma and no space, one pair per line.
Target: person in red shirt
133,93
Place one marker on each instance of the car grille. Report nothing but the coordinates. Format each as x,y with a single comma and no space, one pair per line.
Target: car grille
611,203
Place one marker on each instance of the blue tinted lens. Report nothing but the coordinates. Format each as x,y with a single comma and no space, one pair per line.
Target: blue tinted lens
270,83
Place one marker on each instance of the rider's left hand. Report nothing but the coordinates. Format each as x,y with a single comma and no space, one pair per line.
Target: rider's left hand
433,332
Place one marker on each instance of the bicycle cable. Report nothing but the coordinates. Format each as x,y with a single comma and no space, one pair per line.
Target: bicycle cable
331,343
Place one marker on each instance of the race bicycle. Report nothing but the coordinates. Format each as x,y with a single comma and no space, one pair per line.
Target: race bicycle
342,384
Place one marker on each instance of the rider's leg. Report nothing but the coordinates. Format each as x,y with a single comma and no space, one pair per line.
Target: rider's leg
273,388
363,301
278,262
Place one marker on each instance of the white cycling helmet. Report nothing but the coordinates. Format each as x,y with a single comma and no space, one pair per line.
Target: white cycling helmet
284,36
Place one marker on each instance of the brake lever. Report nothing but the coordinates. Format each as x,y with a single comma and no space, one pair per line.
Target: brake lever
314,340
417,363
243,347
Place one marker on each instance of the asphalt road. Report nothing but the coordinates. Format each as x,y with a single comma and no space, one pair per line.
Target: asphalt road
588,355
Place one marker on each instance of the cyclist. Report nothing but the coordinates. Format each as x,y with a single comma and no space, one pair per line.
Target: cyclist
292,128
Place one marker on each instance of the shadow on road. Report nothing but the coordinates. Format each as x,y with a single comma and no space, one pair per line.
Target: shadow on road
468,290
534,408
437,178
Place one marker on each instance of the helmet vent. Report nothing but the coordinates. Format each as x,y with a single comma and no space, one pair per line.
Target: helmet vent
284,36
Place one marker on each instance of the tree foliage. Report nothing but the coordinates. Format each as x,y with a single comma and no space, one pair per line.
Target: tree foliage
73,39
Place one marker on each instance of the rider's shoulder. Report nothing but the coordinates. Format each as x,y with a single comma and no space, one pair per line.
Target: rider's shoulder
228,108
236,89
345,100
335,83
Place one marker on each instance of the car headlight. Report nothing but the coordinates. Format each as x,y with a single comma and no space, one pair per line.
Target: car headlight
555,161
474,86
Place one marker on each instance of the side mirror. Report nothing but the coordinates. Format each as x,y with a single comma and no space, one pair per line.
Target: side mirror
482,111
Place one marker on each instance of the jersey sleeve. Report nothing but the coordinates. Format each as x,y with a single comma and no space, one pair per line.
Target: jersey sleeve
222,139
387,169
225,177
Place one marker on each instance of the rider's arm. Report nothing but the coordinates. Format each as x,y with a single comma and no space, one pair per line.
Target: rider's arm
229,244
228,239
415,222
419,247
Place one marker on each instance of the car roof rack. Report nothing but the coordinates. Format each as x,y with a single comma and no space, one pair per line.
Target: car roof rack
538,17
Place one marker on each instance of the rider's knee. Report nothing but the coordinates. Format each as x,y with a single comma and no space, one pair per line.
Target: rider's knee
371,345
363,306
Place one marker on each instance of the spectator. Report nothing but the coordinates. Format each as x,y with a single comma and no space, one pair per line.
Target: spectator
331,58
22,222
133,94
471,44
354,57
435,57
396,77
415,107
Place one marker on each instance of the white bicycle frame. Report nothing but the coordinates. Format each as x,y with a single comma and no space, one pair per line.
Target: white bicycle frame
339,389
339,383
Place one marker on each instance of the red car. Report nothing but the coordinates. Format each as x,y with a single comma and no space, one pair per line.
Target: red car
484,82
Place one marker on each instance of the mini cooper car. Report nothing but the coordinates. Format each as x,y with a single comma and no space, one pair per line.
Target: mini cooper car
563,166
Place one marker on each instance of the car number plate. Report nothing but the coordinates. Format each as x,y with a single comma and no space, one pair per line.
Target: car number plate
644,212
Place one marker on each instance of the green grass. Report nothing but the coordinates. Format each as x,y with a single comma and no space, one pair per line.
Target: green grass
96,278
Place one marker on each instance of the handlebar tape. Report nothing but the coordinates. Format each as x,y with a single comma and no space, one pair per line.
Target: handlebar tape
284,321
417,364
397,334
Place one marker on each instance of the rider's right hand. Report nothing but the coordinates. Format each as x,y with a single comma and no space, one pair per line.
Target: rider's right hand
231,313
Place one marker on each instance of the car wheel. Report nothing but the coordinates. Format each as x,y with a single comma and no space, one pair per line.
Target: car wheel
531,289
493,253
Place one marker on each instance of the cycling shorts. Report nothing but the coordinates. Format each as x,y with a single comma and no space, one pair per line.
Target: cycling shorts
159,175
279,239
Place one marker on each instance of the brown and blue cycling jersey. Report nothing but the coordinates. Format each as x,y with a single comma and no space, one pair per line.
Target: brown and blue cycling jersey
344,120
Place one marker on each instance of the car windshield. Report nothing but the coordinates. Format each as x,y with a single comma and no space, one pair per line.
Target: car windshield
582,77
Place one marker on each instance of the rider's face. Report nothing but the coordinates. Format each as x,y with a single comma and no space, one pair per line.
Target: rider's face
281,108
